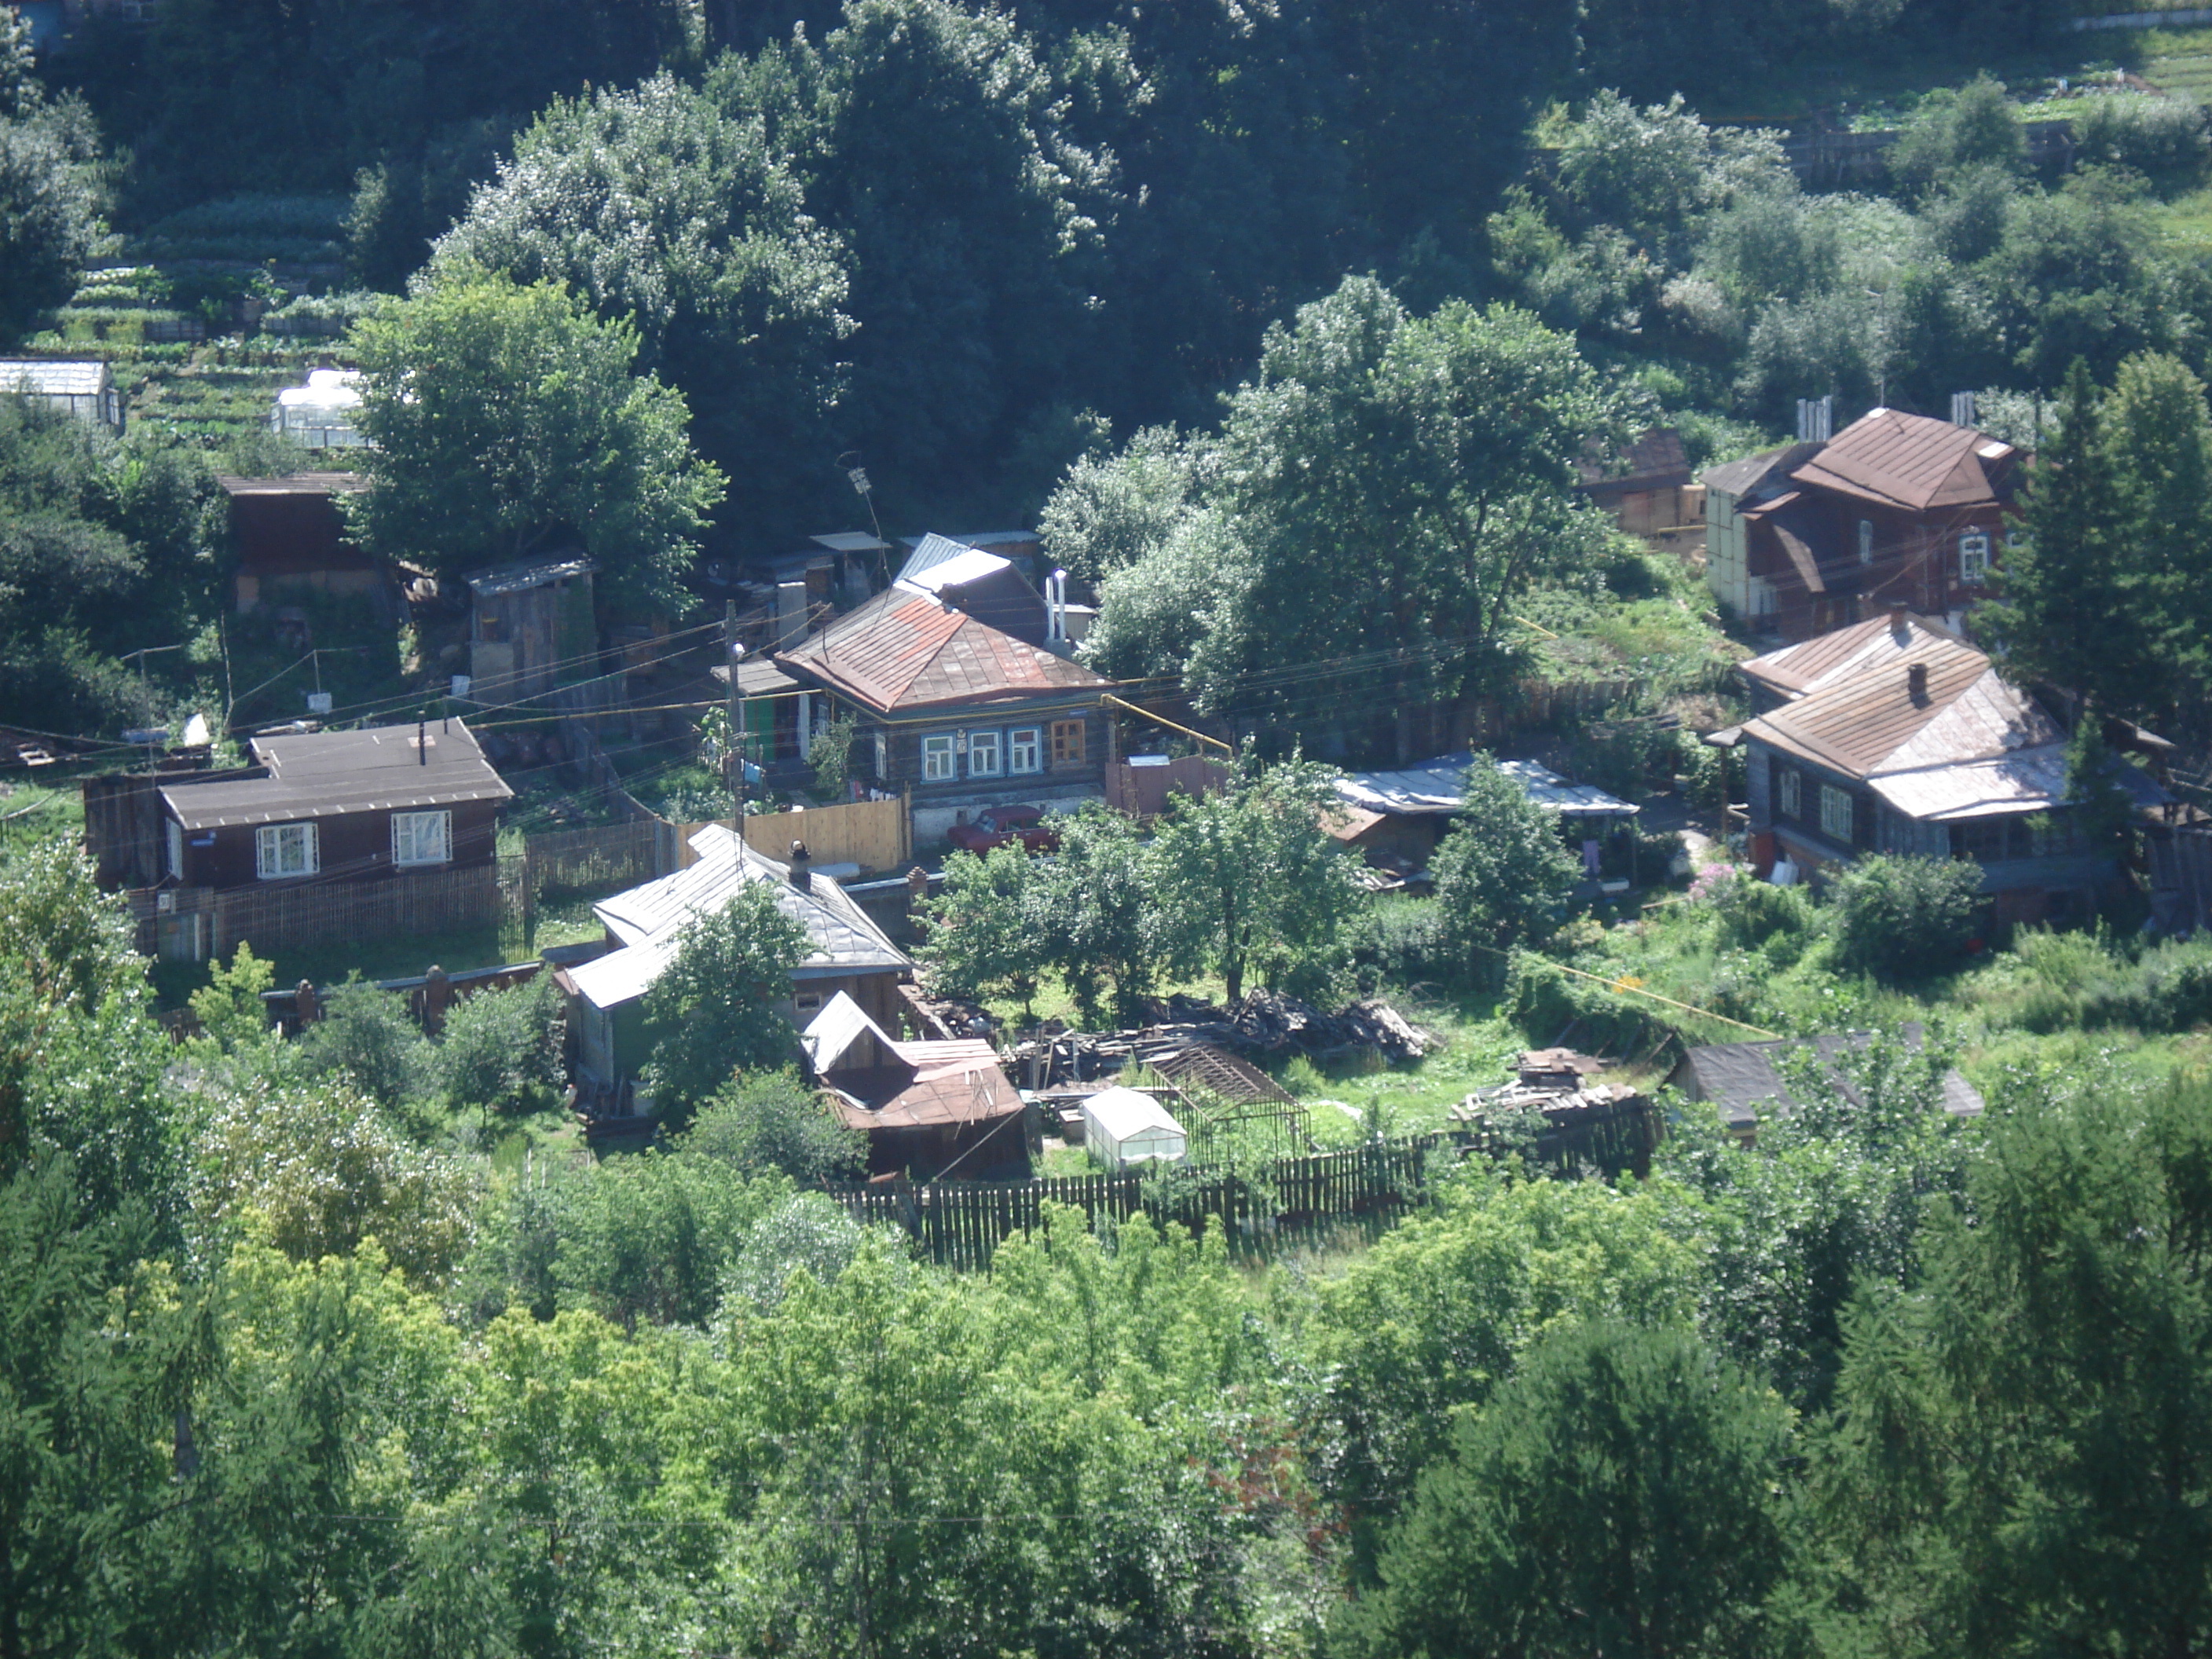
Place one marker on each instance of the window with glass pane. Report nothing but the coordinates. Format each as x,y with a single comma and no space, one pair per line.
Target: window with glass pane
176,850
1026,750
1789,789
284,849
1067,742
422,837
982,754
1836,813
939,763
1973,559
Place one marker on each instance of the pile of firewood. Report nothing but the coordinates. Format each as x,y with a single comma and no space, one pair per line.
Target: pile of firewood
1264,1023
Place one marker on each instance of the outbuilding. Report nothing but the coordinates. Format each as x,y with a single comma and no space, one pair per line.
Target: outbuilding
1126,1126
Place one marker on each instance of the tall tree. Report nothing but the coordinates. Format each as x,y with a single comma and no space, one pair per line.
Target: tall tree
53,187
713,1011
507,420
662,210
1618,1498
1503,876
1254,885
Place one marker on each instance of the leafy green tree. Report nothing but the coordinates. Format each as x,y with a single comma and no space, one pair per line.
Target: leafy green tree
1898,917
2164,139
715,1010
1254,886
2085,271
1429,1322
1111,510
101,1358
317,1170
1618,1496
1388,483
830,757
2158,464
232,1016
53,193
1974,126
369,1035
2022,1446
665,211
987,932
1503,876
500,1050
507,421
1100,916
775,1125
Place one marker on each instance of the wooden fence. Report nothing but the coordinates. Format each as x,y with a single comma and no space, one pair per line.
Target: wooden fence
876,835
196,923
1290,1201
1143,792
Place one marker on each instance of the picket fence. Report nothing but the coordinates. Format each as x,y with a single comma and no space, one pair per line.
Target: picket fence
1291,1202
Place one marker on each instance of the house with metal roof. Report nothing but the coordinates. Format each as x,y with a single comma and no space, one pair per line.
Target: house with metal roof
327,806
962,692
1896,508
83,388
929,1108
1896,736
1396,817
846,952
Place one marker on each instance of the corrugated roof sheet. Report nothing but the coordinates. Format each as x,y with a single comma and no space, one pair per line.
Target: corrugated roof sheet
1739,477
1740,1078
1908,461
299,483
1796,669
328,774
937,1085
851,541
535,572
929,552
47,377
1439,786
841,937
2029,781
904,650
969,564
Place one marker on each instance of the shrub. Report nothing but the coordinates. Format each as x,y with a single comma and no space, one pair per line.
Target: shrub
1752,914
1399,941
368,1034
2164,139
1900,917
1502,878
771,1124
501,1049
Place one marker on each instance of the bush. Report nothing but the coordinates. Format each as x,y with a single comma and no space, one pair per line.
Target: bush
1399,941
2076,982
2164,139
501,1049
1898,918
1751,915
771,1124
368,1034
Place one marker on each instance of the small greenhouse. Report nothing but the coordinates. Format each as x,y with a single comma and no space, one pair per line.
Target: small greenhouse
323,414
1123,1126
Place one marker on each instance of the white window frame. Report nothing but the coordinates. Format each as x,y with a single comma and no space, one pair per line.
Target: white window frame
1836,805
1026,750
272,860
981,744
1790,793
1866,541
1973,558
176,839
407,839
940,758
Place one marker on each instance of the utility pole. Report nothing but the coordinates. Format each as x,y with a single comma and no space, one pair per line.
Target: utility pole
735,759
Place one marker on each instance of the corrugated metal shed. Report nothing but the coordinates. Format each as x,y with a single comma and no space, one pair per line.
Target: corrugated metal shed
329,774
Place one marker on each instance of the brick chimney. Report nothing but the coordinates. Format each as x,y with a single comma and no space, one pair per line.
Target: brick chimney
1916,681
802,867
1898,625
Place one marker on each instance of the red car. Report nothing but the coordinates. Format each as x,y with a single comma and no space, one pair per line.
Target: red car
1006,826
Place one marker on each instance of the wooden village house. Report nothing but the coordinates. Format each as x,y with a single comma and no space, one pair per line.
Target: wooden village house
931,1110
848,953
1895,736
958,680
1895,510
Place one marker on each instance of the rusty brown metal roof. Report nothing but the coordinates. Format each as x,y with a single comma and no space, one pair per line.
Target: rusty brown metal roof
1908,461
1868,721
936,1084
904,650
1796,669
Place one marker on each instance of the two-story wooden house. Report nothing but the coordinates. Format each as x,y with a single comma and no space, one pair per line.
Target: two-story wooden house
963,711
1895,510
1895,736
